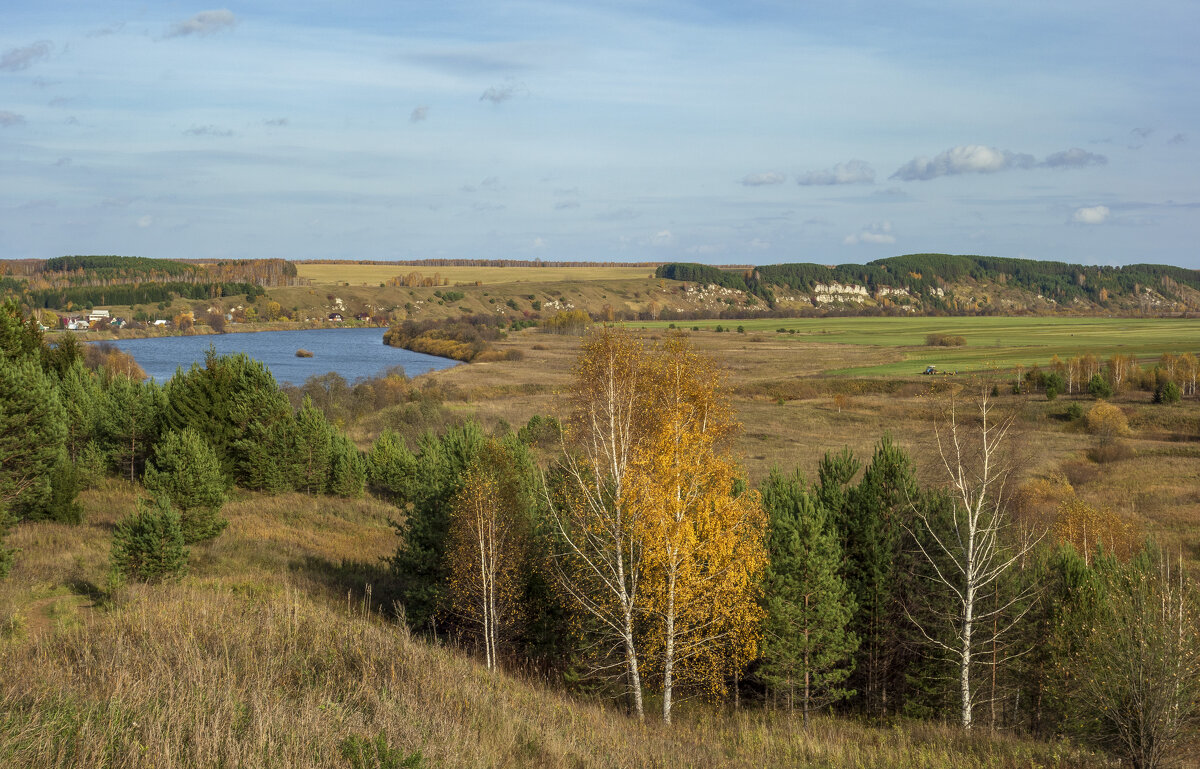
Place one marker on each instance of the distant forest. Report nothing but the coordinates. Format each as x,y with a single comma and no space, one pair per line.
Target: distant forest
80,281
918,273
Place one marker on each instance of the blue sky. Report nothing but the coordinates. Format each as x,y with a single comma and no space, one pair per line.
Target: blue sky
750,132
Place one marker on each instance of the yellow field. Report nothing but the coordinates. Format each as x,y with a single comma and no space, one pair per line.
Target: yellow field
374,274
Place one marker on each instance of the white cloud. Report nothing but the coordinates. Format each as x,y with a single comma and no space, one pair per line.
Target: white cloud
145,221
8,119
539,243
851,172
1091,215
964,159
15,59
760,244
419,114
763,179
1073,158
662,238
876,234
204,23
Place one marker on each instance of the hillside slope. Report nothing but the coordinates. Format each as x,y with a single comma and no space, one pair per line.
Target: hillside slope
254,661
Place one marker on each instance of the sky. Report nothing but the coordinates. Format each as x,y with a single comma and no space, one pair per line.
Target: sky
750,132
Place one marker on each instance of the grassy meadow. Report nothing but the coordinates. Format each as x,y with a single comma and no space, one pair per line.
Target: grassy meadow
991,342
374,274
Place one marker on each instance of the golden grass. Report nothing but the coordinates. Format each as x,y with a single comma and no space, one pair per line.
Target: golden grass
188,676
374,274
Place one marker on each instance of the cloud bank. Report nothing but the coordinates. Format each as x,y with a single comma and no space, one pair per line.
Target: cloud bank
851,172
1073,158
203,24
8,119
965,159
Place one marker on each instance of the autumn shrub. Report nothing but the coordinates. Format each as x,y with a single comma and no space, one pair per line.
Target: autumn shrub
1106,421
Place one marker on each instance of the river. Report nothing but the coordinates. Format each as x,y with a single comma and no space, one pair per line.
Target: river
355,353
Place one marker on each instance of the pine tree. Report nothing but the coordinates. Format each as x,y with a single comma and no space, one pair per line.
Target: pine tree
82,399
871,526
32,434
390,466
348,469
6,554
130,422
424,495
314,438
148,545
808,647
185,474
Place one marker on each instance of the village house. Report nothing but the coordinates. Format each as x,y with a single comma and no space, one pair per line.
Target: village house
336,317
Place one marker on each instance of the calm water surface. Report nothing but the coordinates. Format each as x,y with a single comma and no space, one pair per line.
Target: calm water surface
354,353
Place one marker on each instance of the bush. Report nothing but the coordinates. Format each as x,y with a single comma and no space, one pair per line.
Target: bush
1167,393
1107,421
944,340
148,545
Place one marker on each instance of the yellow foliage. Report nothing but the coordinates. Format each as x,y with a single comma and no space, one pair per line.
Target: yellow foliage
1106,420
703,547
1087,528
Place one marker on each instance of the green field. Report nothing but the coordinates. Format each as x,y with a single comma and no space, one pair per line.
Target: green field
991,342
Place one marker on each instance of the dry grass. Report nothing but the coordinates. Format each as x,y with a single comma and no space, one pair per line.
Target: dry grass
190,676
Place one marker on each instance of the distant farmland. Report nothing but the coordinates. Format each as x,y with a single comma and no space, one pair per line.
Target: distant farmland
374,274
990,342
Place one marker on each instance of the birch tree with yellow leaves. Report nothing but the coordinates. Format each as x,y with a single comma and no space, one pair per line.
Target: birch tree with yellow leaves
703,544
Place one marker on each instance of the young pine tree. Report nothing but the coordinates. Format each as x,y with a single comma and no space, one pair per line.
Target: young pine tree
314,442
32,433
185,474
147,546
808,648
347,469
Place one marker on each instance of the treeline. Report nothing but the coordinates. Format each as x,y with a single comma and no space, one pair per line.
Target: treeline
919,273
481,263
1170,378
76,281
78,297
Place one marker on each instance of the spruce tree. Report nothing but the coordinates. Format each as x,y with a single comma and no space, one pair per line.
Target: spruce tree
148,546
807,647
185,473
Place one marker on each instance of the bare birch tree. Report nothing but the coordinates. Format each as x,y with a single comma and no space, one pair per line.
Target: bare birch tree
598,562
973,549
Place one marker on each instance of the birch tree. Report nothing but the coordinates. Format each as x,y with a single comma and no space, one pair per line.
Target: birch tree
598,559
974,548
703,545
486,552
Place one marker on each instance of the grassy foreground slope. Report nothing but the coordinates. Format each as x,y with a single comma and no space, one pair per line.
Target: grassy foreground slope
259,659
